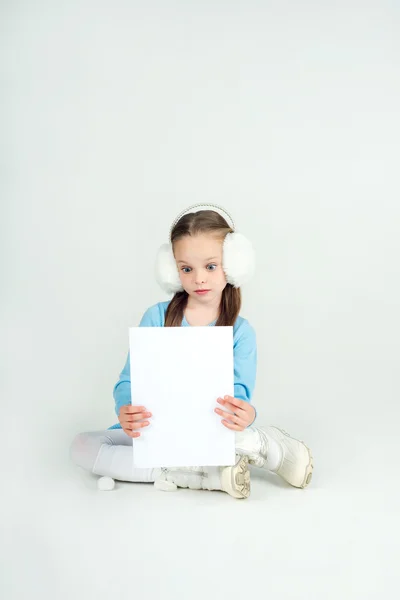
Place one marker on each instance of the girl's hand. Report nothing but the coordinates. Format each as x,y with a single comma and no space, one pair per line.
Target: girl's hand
133,418
244,413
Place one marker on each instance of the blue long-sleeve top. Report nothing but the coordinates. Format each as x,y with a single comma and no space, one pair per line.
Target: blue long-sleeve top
244,356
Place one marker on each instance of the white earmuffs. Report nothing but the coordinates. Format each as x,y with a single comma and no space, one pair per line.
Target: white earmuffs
238,259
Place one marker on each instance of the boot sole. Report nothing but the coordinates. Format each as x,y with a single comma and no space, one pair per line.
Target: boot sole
308,473
239,481
309,469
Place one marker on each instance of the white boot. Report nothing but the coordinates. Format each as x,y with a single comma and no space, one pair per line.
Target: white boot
235,480
296,462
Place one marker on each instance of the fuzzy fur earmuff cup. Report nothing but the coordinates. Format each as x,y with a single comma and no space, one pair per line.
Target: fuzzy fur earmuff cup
166,271
238,259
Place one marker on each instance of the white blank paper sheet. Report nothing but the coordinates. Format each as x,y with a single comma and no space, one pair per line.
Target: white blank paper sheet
178,373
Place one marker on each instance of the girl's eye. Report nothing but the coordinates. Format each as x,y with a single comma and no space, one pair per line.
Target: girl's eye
210,267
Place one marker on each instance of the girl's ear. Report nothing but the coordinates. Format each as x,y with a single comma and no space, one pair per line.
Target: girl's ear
166,270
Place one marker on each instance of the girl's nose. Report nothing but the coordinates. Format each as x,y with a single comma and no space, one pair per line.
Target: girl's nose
199,277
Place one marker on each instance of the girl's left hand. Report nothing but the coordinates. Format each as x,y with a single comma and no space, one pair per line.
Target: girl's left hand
244,413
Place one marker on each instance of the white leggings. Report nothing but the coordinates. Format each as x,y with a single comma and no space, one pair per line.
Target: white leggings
109,453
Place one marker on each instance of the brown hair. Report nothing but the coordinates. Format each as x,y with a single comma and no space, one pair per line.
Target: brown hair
203,221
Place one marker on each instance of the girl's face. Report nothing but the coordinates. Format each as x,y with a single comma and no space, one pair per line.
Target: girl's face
199,261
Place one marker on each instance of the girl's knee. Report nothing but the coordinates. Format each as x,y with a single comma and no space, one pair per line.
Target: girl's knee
76,447
86,446
84,449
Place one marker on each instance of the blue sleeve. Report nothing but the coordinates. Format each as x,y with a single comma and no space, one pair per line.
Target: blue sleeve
122,389
245,362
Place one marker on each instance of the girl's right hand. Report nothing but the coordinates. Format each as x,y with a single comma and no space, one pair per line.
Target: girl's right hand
133,418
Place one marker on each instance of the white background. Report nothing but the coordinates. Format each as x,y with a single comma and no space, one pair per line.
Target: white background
115,117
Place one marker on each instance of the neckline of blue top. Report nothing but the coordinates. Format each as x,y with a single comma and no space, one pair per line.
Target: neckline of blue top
186,324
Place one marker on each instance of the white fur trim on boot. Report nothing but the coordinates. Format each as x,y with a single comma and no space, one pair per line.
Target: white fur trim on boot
106,484
296,465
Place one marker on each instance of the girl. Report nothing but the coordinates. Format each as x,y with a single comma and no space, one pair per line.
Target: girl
204,265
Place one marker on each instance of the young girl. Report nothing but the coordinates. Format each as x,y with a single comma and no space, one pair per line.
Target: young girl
204,265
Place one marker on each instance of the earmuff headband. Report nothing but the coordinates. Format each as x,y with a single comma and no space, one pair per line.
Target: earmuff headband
204,207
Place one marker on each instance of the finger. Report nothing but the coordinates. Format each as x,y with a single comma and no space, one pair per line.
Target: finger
132,434
234,409
134,409
232,426
139,425
138,417
235,401
231,417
